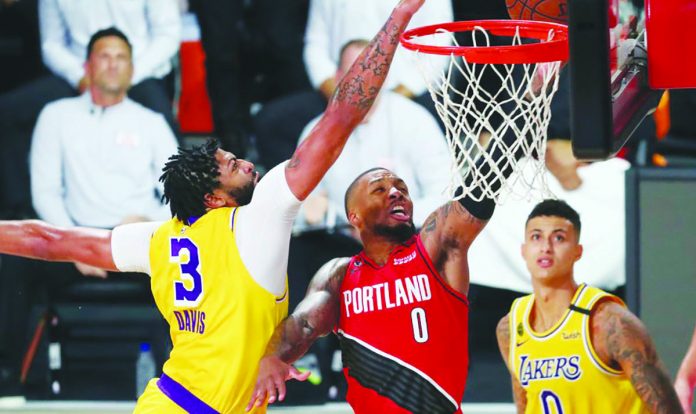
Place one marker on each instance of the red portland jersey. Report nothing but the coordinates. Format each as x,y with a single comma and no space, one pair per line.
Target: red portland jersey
403,333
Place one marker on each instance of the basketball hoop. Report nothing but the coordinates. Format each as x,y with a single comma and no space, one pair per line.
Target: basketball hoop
510,117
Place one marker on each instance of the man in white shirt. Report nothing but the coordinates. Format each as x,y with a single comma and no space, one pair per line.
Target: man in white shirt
95,159
66,26
333,23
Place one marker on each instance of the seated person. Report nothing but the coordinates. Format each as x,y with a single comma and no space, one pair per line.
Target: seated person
95,161
65,28
397,134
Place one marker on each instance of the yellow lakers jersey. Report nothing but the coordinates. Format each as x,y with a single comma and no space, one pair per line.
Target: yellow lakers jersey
220,319
560,369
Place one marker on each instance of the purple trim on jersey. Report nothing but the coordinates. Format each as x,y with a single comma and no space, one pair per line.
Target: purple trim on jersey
192,220
183,397
234,214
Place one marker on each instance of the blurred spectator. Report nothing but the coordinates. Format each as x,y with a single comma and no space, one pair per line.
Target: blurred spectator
253,53
330,25
99,155
65,28
95,161
397,134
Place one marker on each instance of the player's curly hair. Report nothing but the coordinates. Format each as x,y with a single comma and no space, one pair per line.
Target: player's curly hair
187,177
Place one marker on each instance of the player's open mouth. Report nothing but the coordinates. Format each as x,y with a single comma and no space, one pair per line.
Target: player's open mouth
545,263
399,213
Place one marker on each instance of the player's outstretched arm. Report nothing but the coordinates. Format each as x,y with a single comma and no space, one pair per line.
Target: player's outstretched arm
447,234
686,377
350,102
502,332
315,316
621,339
39,240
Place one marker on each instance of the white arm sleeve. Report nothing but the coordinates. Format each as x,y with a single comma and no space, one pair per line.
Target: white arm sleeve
262,230
130,246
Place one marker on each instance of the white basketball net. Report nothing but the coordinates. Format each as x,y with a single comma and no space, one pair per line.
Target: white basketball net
477,120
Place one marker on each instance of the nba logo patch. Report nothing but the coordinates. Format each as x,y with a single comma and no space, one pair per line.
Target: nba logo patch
520,329
356,266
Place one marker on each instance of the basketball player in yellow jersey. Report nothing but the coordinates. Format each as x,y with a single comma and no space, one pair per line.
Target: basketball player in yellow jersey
573,348
218,268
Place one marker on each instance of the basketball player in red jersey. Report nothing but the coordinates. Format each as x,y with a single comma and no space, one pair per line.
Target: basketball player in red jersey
398,307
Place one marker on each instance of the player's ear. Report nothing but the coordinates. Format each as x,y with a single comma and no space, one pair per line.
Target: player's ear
354,219
579,251
211,200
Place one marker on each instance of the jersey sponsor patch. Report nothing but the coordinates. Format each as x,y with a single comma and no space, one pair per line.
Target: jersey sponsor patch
404,260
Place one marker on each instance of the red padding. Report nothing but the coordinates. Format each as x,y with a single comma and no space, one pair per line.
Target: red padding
671,30
194,113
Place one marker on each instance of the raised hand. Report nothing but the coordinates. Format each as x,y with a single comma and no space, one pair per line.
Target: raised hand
270,383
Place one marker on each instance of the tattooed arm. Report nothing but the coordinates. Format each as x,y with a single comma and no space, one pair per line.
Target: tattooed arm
447,234
315,316
502,332
352,99
622,342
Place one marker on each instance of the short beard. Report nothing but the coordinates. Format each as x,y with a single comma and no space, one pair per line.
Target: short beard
399,233
243,194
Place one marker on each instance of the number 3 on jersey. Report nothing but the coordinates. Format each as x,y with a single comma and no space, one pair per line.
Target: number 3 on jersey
188,291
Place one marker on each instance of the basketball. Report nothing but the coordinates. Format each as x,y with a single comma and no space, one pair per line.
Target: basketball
555,11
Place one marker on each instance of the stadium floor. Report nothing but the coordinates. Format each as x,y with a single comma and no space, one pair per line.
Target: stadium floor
86,407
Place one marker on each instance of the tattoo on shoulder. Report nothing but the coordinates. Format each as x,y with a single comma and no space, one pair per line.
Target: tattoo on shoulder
632,348
464,213
331,281
430,223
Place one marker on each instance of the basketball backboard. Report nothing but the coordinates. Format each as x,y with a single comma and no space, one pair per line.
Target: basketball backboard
609,101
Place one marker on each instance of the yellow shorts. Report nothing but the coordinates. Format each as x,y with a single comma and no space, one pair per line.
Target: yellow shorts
153,401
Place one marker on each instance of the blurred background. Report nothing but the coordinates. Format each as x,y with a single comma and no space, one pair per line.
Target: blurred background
254,74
